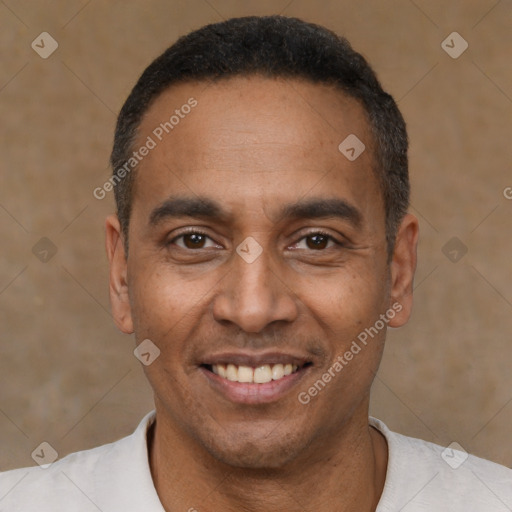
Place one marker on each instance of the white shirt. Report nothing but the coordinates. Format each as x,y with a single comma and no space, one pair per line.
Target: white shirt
116,477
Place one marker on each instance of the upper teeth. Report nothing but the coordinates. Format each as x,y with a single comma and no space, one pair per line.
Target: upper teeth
259,375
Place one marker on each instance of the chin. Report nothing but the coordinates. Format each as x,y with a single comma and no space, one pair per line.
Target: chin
255,450
253,456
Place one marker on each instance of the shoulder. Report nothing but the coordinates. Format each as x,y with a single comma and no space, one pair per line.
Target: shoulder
425,476
115,476
21,489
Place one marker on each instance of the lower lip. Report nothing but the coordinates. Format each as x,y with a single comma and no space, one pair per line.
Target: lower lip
251,393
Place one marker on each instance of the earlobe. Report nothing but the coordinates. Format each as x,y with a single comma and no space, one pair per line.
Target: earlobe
403,267
118,281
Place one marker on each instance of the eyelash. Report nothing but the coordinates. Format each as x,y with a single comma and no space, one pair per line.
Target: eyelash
196,231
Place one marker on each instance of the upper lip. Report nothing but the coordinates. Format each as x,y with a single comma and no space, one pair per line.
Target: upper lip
255,359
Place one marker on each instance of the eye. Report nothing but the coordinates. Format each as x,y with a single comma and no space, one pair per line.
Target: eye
193,240
316,241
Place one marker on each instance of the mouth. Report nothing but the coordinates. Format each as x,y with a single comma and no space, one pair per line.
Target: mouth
258,375
245,379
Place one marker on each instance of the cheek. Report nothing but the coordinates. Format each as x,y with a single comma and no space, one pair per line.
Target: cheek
165,305
346,303
165,311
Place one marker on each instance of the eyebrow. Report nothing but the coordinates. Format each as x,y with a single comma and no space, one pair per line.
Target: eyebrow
204,208
317,208
175,207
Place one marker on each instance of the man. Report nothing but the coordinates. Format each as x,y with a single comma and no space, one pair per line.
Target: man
261,248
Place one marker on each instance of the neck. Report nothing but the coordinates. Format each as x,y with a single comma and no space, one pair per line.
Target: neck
345,473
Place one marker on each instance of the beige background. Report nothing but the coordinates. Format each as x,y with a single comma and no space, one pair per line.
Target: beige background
69,378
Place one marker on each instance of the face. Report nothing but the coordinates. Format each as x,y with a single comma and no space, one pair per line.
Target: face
257,257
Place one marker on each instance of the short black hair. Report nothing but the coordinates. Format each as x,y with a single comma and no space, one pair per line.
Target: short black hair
273,47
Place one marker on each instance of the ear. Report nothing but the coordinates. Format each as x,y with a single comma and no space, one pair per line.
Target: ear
118,282
403,267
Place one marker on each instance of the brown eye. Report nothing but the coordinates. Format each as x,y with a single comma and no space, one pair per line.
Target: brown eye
194,240
317,241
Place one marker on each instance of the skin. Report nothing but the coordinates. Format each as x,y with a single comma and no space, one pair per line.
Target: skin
253,145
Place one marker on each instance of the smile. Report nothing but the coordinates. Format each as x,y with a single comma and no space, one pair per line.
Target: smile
252,378
259,375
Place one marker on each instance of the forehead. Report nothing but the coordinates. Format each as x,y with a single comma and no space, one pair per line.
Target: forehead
249,140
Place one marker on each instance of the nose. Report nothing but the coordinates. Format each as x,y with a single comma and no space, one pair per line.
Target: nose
253,295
